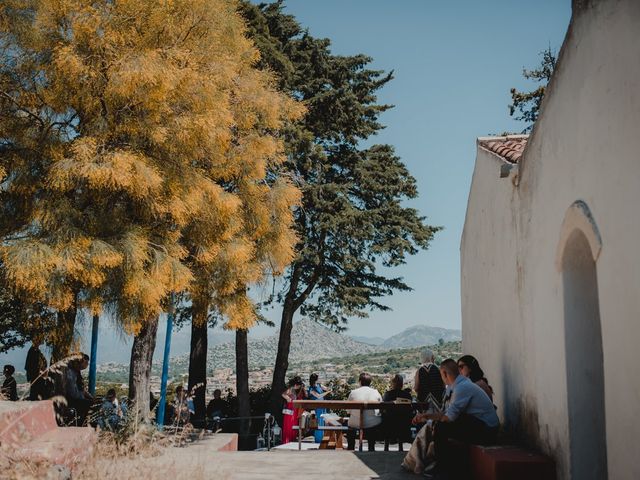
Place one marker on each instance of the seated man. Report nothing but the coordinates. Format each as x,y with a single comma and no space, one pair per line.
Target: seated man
397,423
74,392
371,418
111,414
469,418
216,409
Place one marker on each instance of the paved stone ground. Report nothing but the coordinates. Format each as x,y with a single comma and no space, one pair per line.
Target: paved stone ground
199,461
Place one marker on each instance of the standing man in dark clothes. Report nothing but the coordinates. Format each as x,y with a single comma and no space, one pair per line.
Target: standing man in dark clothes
428,380
9,386
35,368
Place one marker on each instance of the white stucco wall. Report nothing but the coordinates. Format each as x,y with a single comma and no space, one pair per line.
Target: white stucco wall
586,146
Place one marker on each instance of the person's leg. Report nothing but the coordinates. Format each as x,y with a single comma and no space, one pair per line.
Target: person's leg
351,439
467,430
371,435
445,455
474,431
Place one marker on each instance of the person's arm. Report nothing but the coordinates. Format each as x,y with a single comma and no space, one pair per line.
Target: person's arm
286,396
319,396
14,390
416,381
487,389
436,417
71,389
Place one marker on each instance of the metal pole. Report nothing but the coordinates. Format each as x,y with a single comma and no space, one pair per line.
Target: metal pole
165,367
93,361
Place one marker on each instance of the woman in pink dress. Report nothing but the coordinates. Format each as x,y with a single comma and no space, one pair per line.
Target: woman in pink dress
290,414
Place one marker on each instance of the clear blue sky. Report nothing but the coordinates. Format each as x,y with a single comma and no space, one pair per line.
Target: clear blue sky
454,64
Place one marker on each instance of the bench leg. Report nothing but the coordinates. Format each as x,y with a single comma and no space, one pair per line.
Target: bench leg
300,425
361,429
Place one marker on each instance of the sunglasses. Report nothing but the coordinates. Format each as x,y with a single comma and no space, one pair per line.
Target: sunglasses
461,366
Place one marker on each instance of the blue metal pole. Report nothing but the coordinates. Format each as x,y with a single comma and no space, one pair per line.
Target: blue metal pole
93,361
165,367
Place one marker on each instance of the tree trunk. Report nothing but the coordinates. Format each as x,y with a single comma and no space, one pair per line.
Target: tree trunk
281,366
144,343
63,336
242,379
198,361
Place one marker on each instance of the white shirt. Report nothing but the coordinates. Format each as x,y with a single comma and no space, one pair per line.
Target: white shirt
371,418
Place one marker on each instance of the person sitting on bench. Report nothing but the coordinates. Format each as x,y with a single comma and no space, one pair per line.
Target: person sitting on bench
74,390
397,423
470,418
371,418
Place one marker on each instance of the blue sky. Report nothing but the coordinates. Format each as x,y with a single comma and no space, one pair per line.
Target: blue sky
454,64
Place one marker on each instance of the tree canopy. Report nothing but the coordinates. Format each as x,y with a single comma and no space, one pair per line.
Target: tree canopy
525,106
353,222
140,155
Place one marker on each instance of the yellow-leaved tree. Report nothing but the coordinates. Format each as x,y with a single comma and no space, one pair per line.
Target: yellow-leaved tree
139,149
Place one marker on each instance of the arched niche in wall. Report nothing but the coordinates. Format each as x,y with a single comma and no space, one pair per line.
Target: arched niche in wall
578,251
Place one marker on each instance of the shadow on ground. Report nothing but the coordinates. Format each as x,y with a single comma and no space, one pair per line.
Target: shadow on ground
386,465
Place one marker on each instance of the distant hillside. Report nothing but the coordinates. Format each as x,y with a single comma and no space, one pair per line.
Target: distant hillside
309,341
369,340
420,335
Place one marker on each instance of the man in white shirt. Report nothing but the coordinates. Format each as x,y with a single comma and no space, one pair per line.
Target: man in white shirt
371,418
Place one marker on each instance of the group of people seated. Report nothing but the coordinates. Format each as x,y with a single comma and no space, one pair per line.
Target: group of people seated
64,379
454,405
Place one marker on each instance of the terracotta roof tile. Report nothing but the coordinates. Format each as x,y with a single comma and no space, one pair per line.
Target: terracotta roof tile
510,148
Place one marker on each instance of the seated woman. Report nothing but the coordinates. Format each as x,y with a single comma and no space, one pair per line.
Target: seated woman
396,424
182,412
469,366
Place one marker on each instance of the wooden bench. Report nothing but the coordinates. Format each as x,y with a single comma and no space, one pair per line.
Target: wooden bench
509,462
332,439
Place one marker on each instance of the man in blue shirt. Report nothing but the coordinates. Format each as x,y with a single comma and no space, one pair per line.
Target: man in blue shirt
469,418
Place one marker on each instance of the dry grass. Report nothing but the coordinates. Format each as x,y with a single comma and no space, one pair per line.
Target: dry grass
112,457
129,453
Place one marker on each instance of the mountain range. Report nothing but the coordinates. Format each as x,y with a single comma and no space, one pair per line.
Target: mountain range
310,340
421,335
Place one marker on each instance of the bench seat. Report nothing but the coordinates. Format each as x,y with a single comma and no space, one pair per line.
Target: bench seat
509,462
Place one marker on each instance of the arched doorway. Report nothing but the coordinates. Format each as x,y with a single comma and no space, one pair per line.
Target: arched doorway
583,347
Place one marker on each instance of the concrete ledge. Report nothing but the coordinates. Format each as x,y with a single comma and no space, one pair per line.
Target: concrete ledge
30,431
67,446
23,421
228,442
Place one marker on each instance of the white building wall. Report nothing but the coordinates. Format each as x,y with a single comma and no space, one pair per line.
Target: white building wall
586,146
